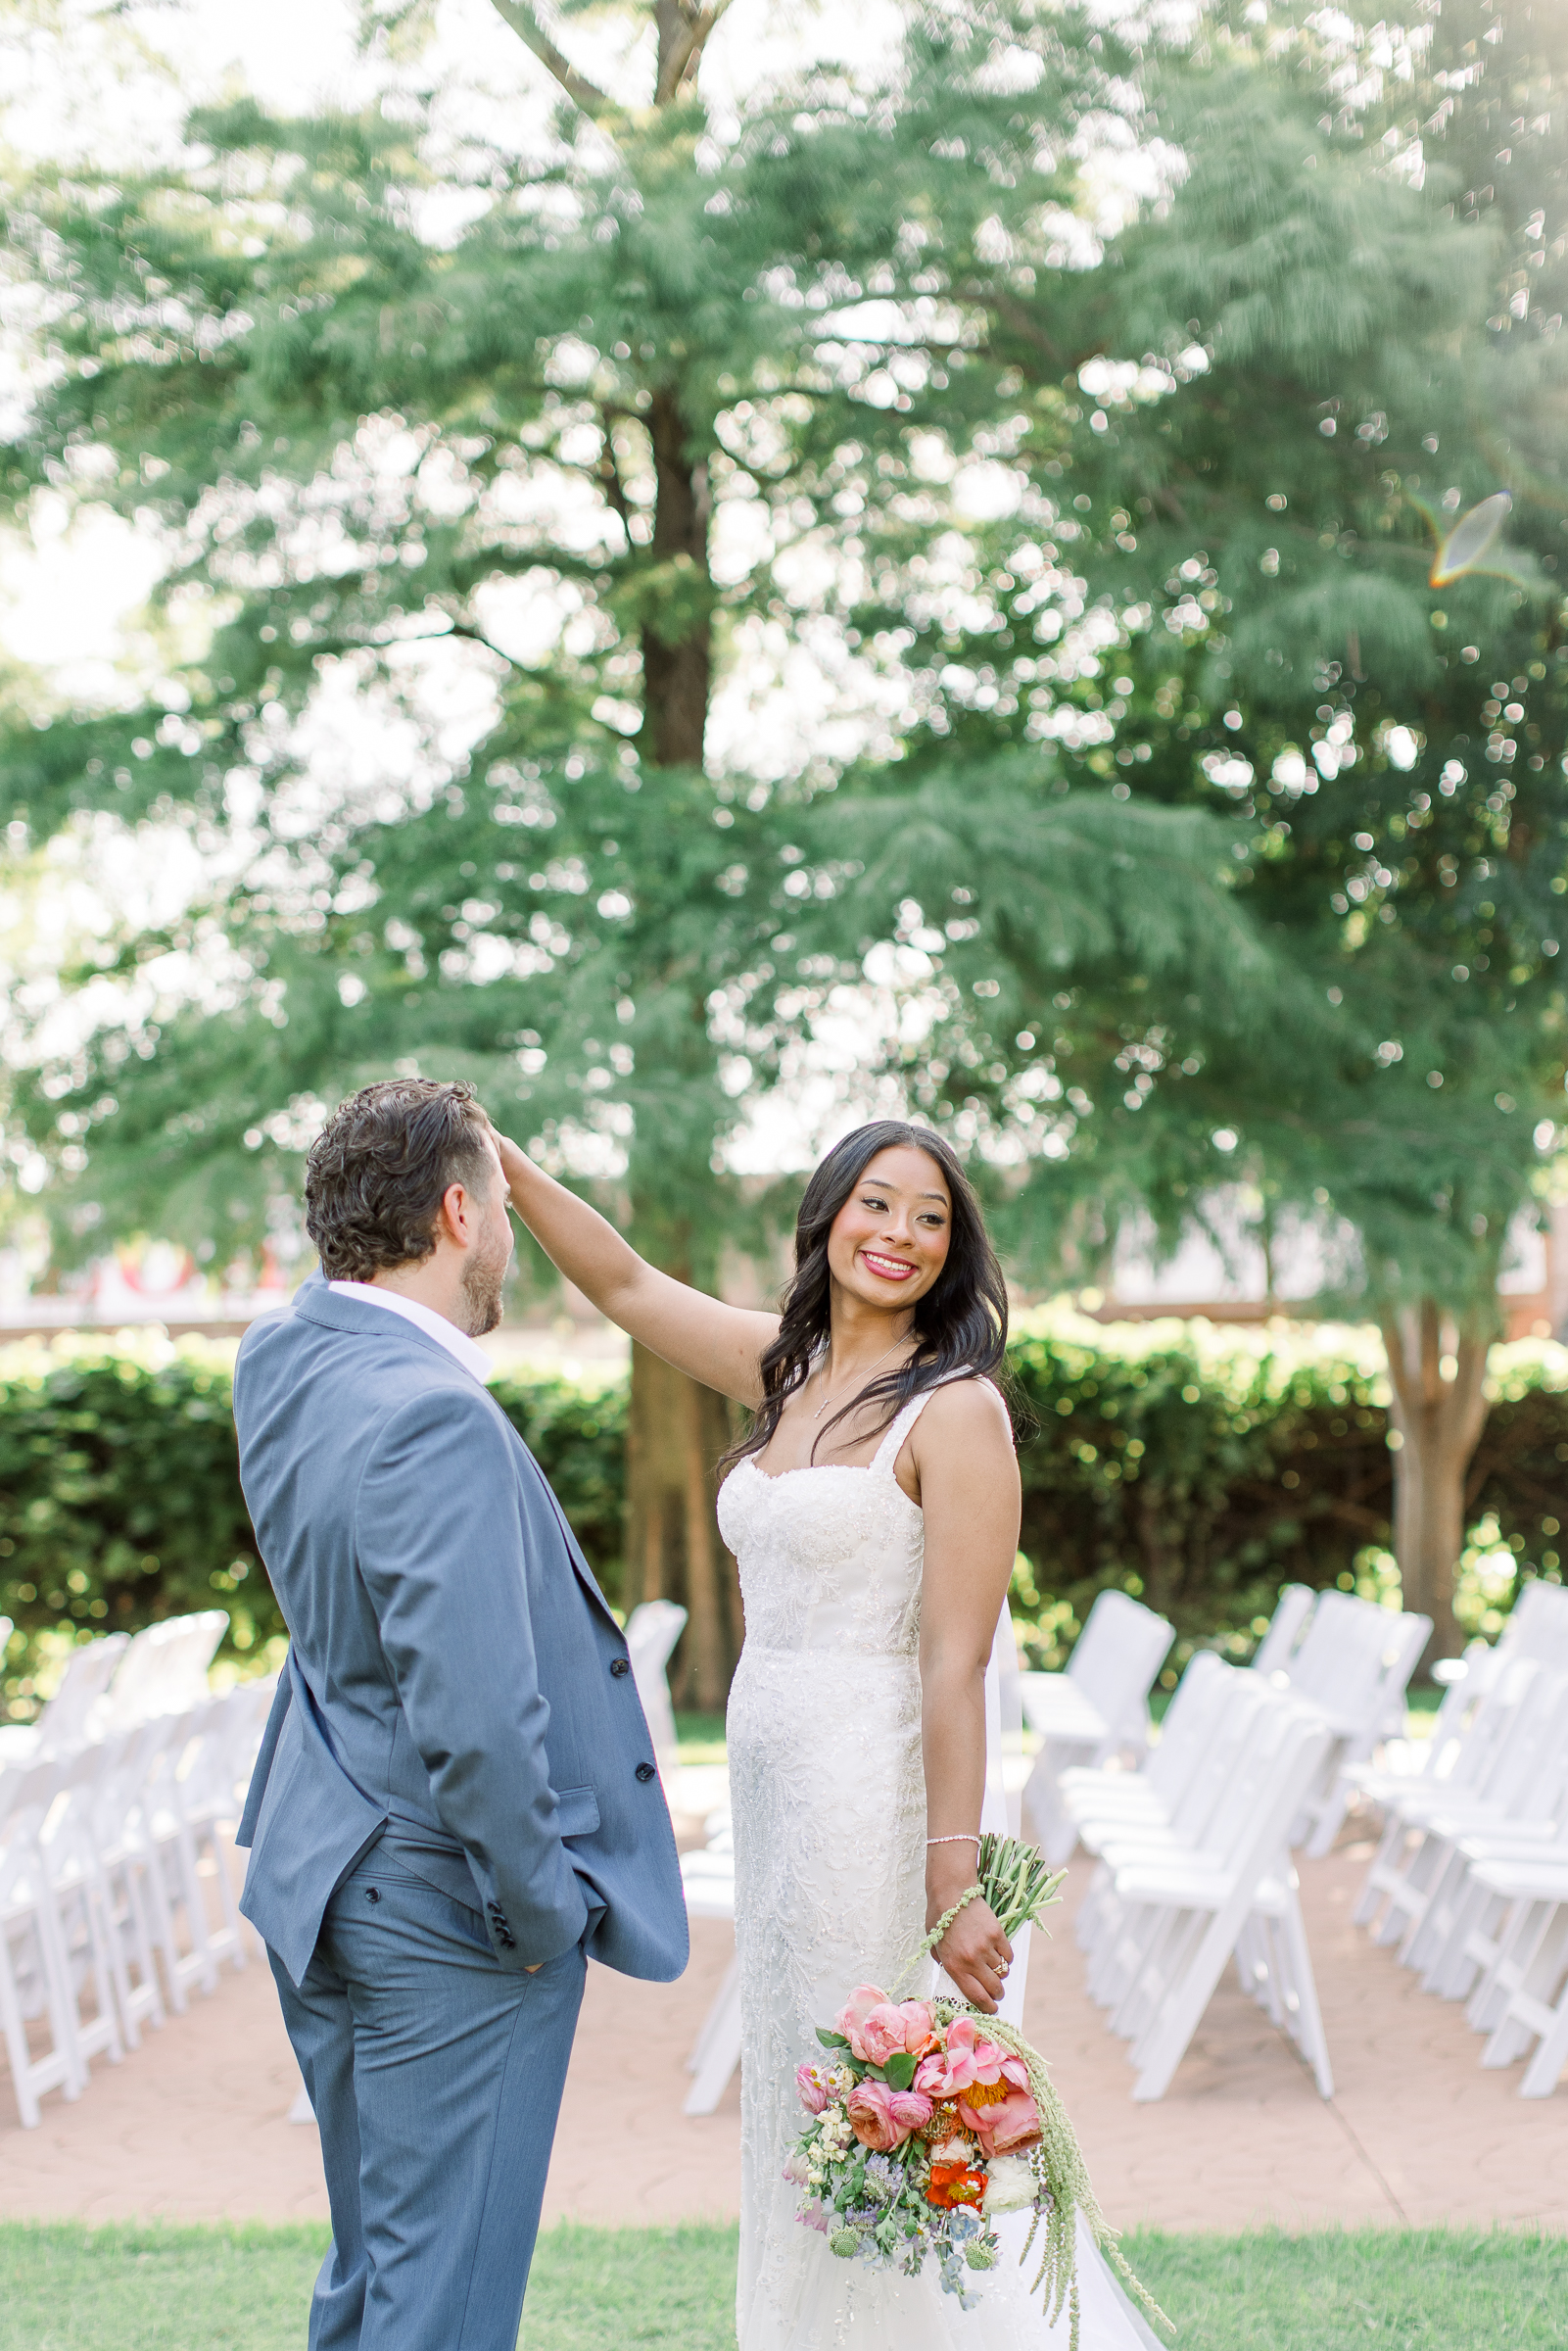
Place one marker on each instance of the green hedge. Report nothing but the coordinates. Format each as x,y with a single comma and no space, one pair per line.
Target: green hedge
1198,1473
1202,1476
120,1503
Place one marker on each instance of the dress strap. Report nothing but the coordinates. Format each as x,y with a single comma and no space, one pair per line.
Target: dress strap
888,1452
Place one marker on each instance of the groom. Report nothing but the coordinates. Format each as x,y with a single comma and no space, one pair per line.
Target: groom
456,1802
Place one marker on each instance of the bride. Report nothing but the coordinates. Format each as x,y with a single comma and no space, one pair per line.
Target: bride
873,1512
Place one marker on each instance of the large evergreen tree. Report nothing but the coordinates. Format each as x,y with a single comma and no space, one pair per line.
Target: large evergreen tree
1323,371
656,398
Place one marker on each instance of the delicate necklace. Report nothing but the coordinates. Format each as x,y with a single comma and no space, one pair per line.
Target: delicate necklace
871,1368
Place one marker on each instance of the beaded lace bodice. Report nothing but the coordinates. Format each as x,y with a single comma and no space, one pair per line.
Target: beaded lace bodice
830,1557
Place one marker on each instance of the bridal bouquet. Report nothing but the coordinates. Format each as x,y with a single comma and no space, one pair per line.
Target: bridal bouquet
927,2120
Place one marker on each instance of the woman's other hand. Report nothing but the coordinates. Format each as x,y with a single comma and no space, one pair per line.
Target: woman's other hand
975,1951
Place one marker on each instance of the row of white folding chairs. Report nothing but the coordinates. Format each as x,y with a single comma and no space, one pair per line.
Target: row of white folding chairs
1351,1663
1195,1870
120,1680
112,1862
1470,1879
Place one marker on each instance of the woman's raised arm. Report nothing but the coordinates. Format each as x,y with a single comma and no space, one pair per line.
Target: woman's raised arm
720,1345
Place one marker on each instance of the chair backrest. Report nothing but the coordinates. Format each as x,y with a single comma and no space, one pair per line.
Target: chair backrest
651,1633
68,1720
1341,1661
1538,1625
1521,1777
1116,1656
1491,1725
5,1630
1290,1611
1200,1697
1406,1640
1276,1728
1241,1698
164,1672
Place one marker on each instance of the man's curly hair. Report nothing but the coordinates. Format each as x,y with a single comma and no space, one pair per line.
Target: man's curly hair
378,1170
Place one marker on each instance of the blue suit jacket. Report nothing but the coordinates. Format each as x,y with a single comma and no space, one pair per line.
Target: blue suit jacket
453,1675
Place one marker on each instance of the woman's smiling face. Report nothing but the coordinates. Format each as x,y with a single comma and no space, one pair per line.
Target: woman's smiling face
889,1242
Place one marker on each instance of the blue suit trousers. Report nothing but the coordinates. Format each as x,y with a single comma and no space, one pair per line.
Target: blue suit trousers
436,2075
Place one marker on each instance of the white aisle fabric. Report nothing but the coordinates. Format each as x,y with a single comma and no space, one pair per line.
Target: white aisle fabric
828,1802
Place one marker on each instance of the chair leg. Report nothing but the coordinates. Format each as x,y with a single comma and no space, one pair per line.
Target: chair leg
731,1978
721,2037
1306,2017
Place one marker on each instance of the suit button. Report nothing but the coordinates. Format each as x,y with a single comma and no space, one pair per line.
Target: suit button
645,1772
620,1666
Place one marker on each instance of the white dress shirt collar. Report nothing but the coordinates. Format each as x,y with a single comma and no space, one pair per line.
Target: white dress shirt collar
446,1334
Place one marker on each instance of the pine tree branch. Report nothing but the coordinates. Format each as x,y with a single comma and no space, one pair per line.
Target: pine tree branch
586,94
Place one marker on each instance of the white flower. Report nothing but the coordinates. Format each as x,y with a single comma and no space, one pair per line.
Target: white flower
1009,2185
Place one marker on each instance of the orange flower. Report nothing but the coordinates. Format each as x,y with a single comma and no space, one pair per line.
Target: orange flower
953,2183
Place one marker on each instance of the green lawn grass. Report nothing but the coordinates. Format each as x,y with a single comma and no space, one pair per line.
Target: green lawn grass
65,2288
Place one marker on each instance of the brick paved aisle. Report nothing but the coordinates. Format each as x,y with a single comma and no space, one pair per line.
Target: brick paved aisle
194,2126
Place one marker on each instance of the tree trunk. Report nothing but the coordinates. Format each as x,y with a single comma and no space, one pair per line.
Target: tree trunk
673,1549
678,1429
678,669
1437,1416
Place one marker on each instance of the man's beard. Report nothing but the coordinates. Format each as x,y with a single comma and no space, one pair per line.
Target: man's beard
483,1275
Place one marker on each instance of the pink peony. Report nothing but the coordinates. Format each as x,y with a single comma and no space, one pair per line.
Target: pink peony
880,2035
882,2118
967,2059
1007,2126
859,2005
812,2084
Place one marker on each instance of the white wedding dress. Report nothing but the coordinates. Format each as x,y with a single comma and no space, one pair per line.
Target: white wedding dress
828,1800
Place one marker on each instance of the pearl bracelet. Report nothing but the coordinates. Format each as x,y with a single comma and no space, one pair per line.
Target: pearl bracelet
966,1836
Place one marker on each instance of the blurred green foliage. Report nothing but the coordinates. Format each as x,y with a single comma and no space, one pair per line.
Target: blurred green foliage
120,1502
1198,1480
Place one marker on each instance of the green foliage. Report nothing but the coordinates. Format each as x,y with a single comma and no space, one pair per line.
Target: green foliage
120,1502
1203,1479
366,448
1200,1477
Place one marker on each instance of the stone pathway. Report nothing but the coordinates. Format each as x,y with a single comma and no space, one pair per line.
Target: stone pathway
193,2127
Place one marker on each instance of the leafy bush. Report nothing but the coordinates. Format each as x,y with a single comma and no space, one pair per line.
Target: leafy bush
1196,1468
120,1502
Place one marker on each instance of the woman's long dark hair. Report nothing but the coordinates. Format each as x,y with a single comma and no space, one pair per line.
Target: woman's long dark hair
960,1324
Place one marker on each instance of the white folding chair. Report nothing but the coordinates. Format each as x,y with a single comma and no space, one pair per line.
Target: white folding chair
651,1633
1290,1611
1101,1703
73,1715
1187,1912
164,1670
1091,1795
34,1972
1525,1997
1407,1801
1371,1707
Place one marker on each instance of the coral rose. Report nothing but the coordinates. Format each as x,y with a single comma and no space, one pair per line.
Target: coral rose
1004,2126
920,2027
881,2119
